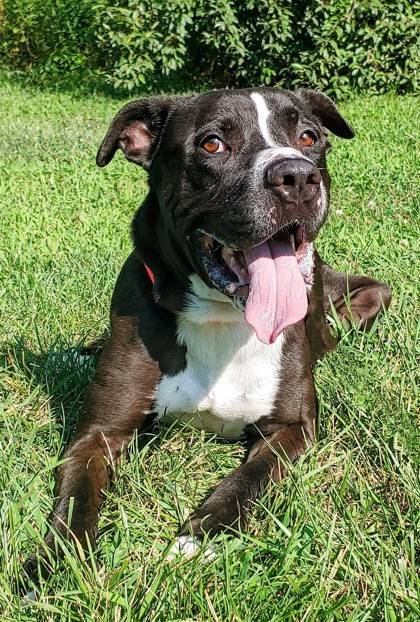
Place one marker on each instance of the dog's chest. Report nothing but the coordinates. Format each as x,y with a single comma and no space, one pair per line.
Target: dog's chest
230,379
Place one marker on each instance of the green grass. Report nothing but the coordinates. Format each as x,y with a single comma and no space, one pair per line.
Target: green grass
334,541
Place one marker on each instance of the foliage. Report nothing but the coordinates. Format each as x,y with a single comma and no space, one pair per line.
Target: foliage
340,46
54,37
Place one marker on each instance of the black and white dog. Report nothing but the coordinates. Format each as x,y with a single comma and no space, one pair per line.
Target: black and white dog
218,315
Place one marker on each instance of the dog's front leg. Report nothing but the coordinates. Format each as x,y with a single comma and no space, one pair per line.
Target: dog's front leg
117,404
229,504
276,441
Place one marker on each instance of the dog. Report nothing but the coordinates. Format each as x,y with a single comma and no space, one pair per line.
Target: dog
219,314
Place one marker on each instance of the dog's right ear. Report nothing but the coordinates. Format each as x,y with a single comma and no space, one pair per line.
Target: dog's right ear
324,108
135,130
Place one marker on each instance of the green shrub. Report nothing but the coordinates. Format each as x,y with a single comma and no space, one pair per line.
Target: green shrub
53,38
336,45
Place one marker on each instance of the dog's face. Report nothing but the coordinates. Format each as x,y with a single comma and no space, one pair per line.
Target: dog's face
233,171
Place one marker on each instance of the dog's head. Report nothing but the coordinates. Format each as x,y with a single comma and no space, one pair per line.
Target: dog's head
241,184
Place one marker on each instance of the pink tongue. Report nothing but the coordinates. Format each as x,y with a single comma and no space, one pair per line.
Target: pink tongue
277,293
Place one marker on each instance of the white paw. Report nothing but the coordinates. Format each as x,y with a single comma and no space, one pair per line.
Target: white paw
188,547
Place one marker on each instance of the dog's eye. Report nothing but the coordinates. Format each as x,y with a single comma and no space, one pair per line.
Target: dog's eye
307,139
212,144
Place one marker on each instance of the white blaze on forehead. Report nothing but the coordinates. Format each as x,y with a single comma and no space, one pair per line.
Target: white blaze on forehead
262,114
274,150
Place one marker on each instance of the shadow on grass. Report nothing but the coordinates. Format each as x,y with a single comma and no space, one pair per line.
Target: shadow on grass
63,373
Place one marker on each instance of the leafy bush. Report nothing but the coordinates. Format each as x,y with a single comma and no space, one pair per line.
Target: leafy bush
54,38
336,45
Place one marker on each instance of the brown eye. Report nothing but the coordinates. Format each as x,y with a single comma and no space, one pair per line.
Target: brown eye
213,145
307,139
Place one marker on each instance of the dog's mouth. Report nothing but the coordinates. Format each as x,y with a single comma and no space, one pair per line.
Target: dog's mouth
266,280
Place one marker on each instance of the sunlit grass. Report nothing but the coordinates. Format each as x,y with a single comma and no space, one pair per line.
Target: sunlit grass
334,541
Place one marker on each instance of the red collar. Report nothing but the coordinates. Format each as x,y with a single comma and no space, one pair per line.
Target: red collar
150,273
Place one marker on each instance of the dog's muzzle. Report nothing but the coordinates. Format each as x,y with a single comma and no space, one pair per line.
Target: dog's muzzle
293,180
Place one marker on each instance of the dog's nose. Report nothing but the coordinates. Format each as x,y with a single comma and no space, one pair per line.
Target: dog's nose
295,180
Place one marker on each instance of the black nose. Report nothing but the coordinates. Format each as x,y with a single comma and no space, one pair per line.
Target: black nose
295,180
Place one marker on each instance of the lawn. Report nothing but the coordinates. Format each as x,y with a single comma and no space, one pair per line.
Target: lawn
334,541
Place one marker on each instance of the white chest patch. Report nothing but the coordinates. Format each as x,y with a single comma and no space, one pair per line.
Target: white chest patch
231,378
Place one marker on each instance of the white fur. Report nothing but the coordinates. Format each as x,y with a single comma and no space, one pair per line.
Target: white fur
322,202
265,156
263,113
207,304
307,266
231,377
188,547
274,150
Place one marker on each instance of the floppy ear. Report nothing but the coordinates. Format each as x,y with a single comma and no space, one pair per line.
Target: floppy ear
325,109
135,130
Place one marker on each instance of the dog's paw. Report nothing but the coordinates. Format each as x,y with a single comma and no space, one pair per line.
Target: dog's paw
188,547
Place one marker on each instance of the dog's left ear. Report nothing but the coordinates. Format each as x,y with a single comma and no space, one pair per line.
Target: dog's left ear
325,109
135,130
